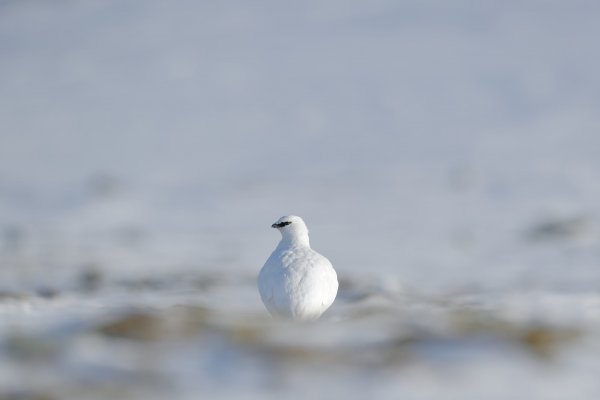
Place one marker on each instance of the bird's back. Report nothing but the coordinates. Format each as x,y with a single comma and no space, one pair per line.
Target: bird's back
297,282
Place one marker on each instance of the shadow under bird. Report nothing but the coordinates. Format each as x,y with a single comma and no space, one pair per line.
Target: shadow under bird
296,282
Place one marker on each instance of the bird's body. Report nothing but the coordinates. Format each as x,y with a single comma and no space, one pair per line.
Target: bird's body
296,282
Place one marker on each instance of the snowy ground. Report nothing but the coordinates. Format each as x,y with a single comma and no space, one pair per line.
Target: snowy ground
445,156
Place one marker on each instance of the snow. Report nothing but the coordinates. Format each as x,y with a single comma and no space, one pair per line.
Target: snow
146,147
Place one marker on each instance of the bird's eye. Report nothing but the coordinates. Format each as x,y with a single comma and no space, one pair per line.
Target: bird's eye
282,224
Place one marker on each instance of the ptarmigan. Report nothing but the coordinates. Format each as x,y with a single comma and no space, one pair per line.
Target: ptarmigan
296,282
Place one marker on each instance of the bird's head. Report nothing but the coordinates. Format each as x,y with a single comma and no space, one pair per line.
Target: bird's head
292,228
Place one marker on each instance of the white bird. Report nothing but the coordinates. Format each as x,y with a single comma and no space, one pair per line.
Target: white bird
296,282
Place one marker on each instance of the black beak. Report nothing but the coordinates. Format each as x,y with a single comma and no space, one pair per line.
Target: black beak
281,224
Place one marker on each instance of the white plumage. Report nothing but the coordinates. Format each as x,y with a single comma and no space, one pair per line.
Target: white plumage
296,282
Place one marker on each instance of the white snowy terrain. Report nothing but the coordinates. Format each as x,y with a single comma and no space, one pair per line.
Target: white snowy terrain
445,155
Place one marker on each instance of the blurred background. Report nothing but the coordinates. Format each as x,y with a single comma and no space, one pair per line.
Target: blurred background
445,156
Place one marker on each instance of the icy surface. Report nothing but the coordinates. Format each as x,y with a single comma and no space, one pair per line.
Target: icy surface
444,154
